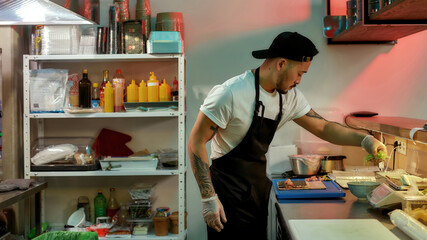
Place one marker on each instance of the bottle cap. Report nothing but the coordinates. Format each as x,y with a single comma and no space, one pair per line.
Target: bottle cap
95,85
85,70
108,84
118,71
133,82
142,83
152,76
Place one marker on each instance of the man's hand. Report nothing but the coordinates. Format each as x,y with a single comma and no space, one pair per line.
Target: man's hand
213,213
372,145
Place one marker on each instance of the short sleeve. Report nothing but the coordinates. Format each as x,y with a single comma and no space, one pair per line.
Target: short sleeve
217,105
302,107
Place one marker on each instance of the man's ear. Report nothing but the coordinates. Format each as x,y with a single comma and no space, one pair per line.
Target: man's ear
281,63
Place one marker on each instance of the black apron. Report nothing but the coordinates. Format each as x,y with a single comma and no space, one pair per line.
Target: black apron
240,180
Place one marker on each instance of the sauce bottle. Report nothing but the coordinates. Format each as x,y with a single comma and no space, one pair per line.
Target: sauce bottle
84,91
119,88
95,95
164,92
143,92
132,92
102,87
112,206
108,98
175,90
153,88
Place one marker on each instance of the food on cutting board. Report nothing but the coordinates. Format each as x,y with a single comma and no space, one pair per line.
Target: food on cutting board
308,183
381,156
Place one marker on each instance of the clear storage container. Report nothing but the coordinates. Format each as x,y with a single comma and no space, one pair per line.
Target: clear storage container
416,207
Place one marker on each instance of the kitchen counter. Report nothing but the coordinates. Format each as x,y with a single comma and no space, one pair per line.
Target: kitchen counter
348,207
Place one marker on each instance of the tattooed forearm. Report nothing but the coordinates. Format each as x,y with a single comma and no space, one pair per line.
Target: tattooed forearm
215,130
313,114
201,172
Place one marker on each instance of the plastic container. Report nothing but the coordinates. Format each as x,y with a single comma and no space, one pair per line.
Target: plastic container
108,98
164,92
139,210
416,207
169,159
161,226
143,92
78,218
132,92
153,88
174,222
84,154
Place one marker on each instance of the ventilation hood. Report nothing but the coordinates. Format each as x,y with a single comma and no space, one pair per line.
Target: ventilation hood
44,12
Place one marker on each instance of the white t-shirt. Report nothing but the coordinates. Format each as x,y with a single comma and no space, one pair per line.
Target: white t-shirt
231,106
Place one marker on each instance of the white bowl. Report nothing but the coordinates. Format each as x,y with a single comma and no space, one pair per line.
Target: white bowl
77,218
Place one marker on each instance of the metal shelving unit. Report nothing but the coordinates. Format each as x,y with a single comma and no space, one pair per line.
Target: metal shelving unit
37,120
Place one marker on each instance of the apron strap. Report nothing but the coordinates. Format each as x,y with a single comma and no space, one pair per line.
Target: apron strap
259,103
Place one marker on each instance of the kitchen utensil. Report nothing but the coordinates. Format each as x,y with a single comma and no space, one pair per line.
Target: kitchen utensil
362,189
329,163
77,218
305,165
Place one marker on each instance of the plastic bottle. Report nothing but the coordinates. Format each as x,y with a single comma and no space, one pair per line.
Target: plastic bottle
164,92
123,214
102,87
95,95
143,92
112,206
84,91
175,90
108,98
100,204
132,92
119,88
153,88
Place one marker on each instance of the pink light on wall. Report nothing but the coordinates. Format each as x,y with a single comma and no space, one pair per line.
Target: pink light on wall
338,7
391,81
216,19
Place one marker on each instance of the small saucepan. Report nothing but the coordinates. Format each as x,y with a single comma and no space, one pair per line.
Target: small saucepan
329,163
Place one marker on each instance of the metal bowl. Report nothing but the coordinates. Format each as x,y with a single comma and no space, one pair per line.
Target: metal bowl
305,165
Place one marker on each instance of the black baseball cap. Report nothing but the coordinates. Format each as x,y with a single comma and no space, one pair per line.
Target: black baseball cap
290,45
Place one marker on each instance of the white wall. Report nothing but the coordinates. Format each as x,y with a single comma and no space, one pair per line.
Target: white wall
219,38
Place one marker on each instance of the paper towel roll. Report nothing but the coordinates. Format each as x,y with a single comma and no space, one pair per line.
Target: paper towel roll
408,225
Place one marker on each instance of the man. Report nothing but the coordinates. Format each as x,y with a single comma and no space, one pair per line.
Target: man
240,117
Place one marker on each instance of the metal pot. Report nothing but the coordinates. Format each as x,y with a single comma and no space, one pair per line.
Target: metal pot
330,163
305,165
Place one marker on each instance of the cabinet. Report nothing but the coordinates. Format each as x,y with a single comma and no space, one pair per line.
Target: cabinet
397,20
149,130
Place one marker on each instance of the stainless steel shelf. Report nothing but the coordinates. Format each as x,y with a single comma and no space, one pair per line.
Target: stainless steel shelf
160,172
106,115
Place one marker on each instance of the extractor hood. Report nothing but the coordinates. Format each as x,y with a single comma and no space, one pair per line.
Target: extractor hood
45,12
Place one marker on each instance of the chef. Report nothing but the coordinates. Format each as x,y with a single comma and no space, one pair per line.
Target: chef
240,118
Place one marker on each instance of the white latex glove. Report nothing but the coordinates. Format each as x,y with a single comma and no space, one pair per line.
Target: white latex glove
213,212
372,145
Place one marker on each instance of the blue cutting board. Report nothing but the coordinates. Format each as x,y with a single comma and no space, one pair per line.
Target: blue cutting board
332,191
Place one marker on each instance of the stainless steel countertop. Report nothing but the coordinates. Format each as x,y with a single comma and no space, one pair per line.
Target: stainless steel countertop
348,207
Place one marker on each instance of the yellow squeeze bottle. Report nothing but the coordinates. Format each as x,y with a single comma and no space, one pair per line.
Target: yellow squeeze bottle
132,92
108,97
143,94
153,88
164,92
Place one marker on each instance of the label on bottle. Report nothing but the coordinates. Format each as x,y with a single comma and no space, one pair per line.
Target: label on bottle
95,103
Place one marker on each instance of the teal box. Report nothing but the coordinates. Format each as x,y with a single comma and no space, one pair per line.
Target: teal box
164,42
